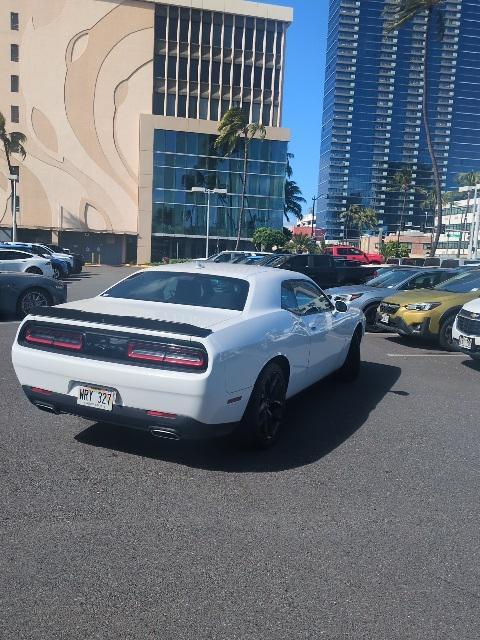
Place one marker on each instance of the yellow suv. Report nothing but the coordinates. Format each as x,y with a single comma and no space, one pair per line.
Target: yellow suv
430,313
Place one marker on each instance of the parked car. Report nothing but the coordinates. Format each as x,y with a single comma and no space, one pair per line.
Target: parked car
24,262
466,329
325,270
368,296
189,350
430,313
78,260
42,250
235,256
60,268
23,293
354,254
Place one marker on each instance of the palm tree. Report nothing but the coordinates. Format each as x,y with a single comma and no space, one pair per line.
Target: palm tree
467,179
13,142
398,14
233,128
359,216
293,198
402,183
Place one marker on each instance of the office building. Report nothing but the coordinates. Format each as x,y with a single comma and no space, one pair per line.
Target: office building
120,102
372,117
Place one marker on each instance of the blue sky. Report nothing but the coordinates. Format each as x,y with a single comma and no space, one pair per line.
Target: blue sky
303,97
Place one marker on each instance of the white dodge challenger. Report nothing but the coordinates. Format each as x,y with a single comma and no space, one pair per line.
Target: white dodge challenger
188,350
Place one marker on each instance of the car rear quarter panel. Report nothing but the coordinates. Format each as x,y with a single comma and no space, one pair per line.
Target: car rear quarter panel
245,348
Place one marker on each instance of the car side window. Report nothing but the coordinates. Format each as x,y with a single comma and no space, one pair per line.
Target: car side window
423,281
14,255
303,299
298,262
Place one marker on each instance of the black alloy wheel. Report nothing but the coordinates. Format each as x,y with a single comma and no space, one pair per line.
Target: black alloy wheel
32,299
266,410
445,337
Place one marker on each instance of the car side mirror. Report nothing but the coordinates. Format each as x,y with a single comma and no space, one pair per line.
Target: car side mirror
341,306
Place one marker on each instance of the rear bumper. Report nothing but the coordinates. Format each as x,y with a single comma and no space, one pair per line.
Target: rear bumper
178,428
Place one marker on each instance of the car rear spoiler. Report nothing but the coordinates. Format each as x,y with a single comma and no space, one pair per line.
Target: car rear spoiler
130,322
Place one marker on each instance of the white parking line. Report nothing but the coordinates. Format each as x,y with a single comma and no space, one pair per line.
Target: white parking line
426,355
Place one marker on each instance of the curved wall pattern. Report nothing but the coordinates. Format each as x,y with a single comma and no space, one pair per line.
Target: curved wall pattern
86,76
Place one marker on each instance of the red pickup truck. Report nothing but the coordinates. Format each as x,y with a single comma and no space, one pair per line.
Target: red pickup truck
351,253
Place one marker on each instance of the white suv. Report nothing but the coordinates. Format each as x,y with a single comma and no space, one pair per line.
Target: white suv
466,330
22,261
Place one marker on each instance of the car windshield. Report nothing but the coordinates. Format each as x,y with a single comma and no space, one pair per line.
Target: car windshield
197,290
390,279
463,283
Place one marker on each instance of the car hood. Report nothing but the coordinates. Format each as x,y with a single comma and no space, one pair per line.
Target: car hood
202,317
349,289
473,306
430,295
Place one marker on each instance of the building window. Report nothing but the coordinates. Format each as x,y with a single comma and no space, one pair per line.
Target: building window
14,53
14,83
14,114
14,21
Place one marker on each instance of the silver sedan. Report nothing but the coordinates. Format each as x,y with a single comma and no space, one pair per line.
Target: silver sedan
367,297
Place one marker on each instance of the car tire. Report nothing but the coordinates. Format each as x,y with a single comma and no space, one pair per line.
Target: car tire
32,299
350,369
34,271
262,422
445,335
371,317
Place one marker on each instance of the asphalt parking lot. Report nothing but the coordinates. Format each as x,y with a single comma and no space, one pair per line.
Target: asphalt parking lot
363,522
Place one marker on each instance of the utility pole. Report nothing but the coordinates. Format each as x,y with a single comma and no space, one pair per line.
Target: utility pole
314,200
14,179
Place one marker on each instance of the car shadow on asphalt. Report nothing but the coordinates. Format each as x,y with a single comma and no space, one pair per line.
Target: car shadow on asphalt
474,365
318,421
78,277
412,342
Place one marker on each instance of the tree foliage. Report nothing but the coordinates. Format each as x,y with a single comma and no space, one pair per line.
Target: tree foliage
293,198
13,142
360,217
394,250
265,239
302,243
235,132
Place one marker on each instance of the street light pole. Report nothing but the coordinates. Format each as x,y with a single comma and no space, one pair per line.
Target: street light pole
209,193
314,200
14,179
475,224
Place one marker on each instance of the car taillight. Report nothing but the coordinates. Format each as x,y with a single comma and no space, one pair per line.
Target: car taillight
69,340
167,354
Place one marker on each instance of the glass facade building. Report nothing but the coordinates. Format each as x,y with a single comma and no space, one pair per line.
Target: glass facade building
206,62
183,160
372,117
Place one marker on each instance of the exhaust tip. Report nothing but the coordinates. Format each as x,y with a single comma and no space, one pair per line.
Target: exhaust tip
46,407
165,433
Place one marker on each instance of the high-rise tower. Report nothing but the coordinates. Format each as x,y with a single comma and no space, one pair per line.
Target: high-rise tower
372,118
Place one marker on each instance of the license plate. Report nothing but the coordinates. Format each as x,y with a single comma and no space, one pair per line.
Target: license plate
96,398
385,318
464,342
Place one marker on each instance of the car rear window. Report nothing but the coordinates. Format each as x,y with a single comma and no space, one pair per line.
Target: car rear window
197,290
